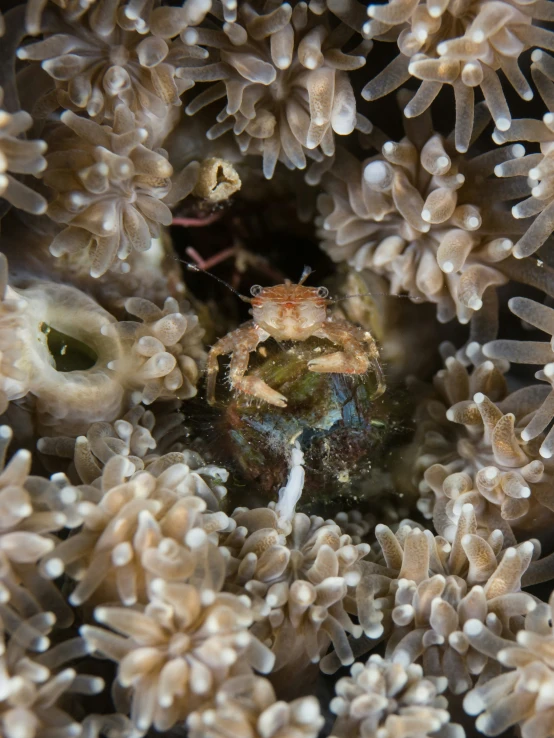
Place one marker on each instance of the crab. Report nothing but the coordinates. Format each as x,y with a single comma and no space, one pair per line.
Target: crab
292,312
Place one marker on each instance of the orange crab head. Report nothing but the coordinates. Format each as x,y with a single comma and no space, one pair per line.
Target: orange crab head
289,312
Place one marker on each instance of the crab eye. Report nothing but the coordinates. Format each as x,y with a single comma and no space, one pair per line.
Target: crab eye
255,290
322,292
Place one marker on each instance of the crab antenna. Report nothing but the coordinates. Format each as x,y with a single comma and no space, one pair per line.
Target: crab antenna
196,268
376,294
305,274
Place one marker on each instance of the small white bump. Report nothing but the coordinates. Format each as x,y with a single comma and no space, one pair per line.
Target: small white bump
473,627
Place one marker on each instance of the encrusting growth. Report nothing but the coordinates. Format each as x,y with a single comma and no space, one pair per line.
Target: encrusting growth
71,364
66,402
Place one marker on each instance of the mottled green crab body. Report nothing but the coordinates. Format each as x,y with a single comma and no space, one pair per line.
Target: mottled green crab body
339,428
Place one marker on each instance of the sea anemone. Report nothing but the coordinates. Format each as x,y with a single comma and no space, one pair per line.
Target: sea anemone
468,449
162,354
249,705
302,570
460,44
532,352
522,696
18,156
426,589
33,685
284,77
108,185
382,699
138,526
173,655
414,213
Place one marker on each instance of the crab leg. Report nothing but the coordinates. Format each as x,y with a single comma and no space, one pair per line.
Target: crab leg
359,352
240,343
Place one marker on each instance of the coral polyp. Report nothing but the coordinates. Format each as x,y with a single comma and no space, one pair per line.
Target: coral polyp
240,495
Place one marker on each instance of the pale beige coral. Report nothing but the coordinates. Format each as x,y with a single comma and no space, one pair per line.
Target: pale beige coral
128,436
108,185
382,699
109,726
100,54
174,655
463,44
139,526
431,221
32,685
468,449
302,571
426,589
14,373
523,695
284,77
532,352
66,401
162,354
27,524
536,166
249,705
19,156
128,362
134,437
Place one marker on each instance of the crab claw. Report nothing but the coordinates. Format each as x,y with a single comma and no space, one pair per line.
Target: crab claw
339,363
258,388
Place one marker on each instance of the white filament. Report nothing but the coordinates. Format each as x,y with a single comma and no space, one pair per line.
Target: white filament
292,491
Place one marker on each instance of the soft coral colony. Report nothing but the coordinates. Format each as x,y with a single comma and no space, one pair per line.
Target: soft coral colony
138,590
